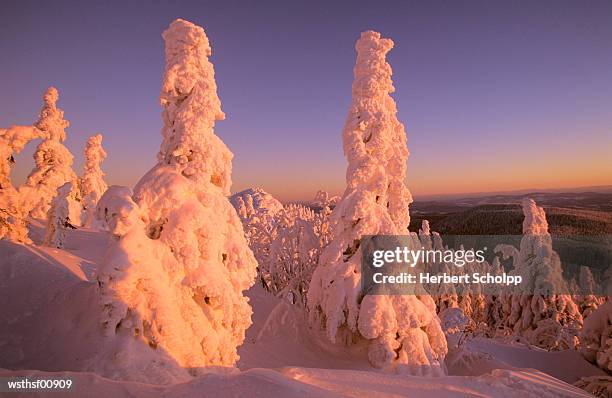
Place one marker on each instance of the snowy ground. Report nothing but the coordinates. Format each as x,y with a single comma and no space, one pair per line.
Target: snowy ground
49,322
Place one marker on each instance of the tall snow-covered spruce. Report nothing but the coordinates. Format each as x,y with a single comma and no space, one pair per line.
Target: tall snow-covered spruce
176,280
53,160
93,185
403,332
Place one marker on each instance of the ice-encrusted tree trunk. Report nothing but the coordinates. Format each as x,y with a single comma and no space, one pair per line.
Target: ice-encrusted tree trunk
13,213
53,160
93,185
403,331
58,217
541,307
176,283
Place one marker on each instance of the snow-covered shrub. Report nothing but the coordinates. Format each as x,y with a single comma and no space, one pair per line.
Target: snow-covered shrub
176,284
453,320
92,182
13,213
543,294
53,160
58,217
286,241
403,332
596,337
116,211
298,240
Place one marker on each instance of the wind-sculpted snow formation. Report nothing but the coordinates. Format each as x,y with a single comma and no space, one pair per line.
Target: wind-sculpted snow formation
540,307
403,332
175,281
53,160
13,213
93,185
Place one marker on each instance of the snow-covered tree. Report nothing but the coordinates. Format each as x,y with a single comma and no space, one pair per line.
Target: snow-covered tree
176,284
403,331
58,217
13,213
92,182
53,160
585,296
323,199
596,337
541,308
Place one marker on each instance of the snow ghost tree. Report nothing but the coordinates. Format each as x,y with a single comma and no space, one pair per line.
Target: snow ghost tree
403,331
540,307
176,282
92,182
58,217
53,160
13,214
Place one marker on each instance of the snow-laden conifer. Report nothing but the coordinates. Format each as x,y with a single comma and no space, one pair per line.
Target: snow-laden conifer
93,185
176,284
403,331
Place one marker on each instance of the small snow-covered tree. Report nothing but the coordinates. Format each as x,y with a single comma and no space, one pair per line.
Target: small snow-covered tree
596,337
541,308
176,284
58,217
403,332
93,185
13,213
53,160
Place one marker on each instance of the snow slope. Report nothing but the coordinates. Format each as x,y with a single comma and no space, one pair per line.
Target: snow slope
50,322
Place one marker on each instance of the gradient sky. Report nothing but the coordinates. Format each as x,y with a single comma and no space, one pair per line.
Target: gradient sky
494,95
